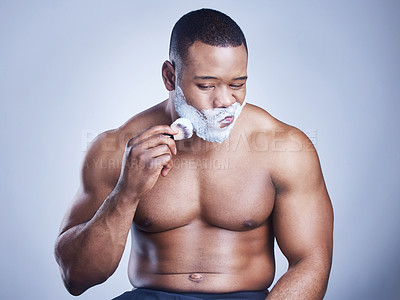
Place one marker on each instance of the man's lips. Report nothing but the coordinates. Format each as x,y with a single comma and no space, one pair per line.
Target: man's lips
227,121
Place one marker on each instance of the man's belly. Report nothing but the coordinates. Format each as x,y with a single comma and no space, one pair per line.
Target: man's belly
203,258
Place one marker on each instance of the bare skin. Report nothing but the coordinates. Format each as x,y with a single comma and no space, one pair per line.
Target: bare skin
203,215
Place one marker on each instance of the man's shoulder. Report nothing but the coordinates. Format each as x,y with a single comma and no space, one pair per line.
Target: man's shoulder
259,122
152,116
272,135
114,138
106,150
289,152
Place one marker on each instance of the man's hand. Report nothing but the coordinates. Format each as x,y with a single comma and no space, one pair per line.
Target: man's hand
146,156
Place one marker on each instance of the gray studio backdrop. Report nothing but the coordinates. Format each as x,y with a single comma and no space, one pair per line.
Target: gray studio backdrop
71,69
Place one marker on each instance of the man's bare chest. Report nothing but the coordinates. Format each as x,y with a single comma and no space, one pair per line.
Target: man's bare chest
230,191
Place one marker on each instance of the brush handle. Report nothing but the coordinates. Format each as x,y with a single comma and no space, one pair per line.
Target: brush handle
170,135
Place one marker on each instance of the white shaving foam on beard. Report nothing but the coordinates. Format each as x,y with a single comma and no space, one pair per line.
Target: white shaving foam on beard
206,123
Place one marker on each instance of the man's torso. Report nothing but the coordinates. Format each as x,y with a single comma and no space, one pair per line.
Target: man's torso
207,226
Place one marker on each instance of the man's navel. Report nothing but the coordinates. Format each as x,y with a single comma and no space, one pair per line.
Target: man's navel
196,277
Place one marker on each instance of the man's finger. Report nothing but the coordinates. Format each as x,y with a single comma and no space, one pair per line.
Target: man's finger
160,139
159,129
161,161
159,150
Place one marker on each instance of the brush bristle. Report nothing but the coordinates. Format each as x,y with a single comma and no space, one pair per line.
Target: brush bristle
184,127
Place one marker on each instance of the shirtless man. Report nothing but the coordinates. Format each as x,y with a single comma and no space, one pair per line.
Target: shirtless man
203,211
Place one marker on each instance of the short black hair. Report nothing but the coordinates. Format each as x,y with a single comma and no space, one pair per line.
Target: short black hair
205,25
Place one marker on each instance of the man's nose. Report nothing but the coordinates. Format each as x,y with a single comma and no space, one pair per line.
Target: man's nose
223,97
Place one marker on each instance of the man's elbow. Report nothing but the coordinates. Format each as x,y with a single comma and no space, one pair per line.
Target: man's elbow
321,267
318,263
322,262
76,278
73,287
315,269
76,286
77,283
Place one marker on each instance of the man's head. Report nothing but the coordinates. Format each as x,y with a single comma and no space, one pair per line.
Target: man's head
207,72
208,26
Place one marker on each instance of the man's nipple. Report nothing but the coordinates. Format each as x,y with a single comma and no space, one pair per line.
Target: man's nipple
196,277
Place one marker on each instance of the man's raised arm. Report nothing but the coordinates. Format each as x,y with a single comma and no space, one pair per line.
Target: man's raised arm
95,228
302,221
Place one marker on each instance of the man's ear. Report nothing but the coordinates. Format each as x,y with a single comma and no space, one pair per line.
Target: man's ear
168,75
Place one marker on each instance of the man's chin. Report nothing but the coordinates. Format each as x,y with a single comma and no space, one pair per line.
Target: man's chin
214,137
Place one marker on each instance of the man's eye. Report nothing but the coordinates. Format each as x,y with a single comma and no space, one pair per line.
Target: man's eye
205,87
237,86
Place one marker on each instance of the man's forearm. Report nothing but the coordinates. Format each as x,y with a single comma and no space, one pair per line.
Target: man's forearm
90,252
308,279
